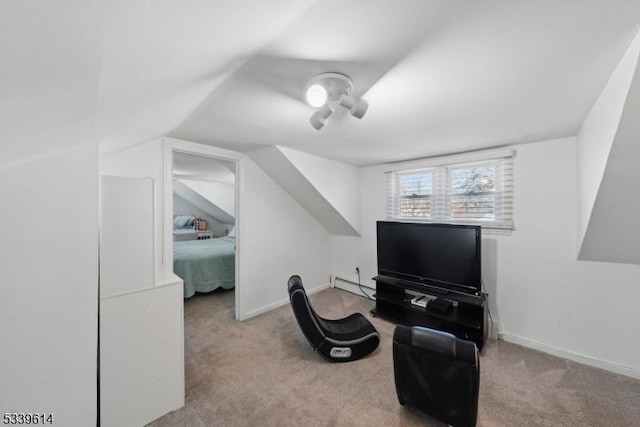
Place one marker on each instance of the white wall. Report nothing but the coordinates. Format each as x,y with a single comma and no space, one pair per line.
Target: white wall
350,252
140,161
281,239
278,237
338,182
49,286
597,134
539,293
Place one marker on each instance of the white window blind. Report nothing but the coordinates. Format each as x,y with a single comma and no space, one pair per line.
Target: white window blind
470,192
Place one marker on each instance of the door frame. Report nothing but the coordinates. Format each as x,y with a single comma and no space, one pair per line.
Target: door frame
171,145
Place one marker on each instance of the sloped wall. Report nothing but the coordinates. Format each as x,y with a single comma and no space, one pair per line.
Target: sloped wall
206,197
222,195
325,188
337,182
182,207
610,126
613,233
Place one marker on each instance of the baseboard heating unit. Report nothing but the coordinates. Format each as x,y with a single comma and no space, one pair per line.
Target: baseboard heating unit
352,286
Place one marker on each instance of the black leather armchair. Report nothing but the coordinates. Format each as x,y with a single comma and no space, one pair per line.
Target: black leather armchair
437,373
340,340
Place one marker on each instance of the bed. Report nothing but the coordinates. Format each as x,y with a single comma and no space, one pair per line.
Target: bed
205,265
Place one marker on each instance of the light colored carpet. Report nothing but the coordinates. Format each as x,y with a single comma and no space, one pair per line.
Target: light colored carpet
262,372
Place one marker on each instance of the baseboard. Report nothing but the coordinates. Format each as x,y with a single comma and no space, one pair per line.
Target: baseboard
346,284
277,304
576,357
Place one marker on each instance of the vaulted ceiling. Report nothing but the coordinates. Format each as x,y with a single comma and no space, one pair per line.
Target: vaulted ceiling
440,75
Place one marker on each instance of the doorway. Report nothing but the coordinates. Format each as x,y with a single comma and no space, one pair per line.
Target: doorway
202,220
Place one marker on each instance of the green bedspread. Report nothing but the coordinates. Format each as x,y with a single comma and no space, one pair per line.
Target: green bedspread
205,265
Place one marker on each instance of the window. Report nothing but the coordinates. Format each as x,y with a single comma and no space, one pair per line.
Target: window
443,190
415,194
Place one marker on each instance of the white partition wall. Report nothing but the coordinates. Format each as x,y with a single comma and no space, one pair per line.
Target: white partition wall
141,338
49,287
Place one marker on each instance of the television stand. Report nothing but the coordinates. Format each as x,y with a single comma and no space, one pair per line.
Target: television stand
466,318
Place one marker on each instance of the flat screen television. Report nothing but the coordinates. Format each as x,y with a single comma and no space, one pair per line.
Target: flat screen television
444,256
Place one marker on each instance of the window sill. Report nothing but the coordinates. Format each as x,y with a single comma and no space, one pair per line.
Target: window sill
487,228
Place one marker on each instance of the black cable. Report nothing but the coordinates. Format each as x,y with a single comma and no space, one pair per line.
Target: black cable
360,286
488,306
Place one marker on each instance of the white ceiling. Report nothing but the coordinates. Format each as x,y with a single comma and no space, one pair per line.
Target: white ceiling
440,75
203,168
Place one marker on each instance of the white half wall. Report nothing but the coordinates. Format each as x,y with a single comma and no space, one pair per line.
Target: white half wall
539,292
49,286
141,356
597,134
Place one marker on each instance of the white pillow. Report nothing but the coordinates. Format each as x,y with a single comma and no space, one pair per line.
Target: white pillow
181,221
232,233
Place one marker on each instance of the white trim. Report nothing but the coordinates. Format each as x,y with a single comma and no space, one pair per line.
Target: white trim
475,156
488,227
171,145
576,357
240,239
155,262
201,149
278,304
441,196
200,178
167,220
141,290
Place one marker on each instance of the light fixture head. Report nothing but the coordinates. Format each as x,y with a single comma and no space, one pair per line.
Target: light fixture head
356,108
319,118
316,95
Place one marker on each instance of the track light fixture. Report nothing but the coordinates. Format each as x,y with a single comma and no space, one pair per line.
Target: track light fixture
327,90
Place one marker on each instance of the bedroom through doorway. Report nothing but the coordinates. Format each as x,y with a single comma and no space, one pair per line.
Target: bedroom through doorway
204,229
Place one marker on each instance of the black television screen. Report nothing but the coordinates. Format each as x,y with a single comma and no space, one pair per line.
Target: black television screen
442,255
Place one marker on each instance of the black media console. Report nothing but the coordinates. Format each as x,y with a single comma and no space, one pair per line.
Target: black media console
466,318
